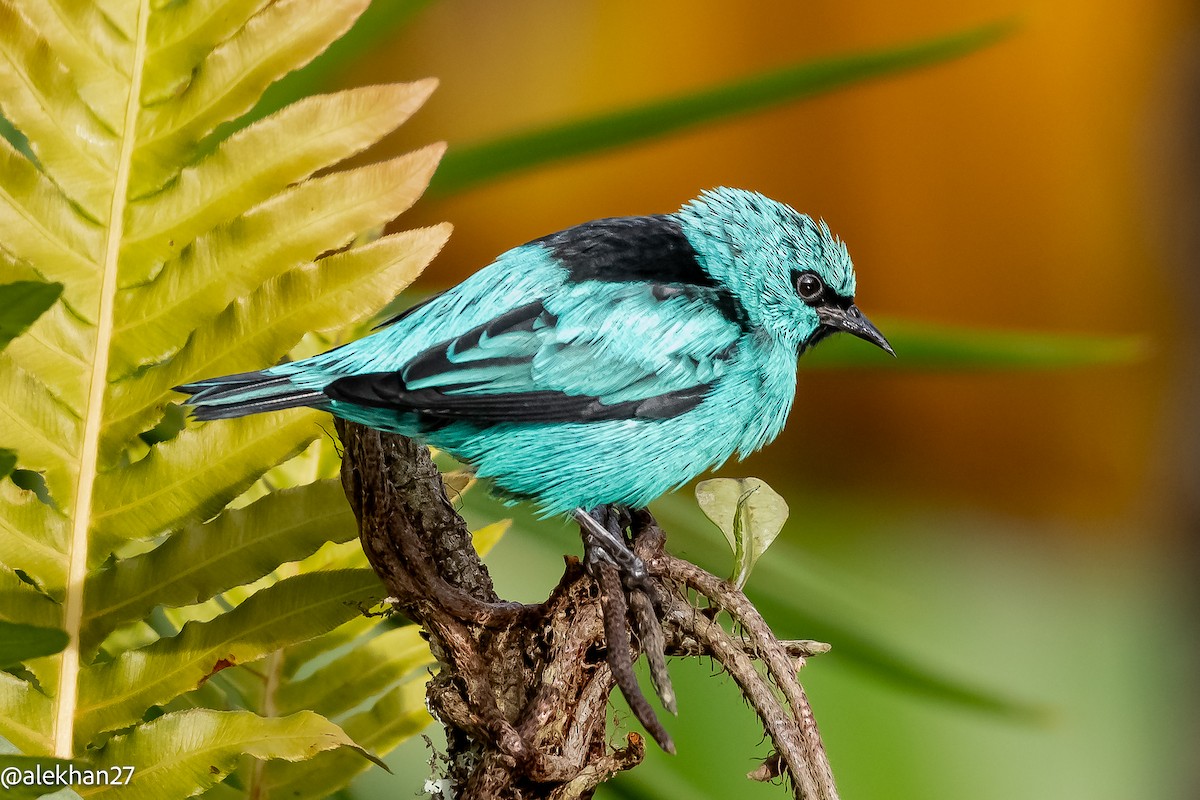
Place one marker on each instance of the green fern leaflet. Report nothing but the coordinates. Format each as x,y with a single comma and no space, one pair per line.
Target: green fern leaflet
193,610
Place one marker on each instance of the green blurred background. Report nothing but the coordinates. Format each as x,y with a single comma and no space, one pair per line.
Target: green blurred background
1004,560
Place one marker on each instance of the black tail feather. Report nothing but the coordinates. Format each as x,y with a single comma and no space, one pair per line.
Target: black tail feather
247,393
239,380
204,411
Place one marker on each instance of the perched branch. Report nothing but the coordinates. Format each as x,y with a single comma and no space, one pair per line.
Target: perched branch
523,690
793,729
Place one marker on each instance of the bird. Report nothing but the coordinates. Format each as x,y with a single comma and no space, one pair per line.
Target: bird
600,366
592,370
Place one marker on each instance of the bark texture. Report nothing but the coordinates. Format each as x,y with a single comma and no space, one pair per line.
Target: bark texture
522,691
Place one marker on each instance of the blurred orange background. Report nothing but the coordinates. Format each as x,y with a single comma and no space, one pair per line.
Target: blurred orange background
1012,188
1036,530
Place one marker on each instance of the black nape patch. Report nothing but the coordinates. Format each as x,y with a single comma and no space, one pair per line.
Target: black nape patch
652,249
618,249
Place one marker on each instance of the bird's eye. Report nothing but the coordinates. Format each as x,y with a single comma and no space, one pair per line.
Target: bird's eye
809,286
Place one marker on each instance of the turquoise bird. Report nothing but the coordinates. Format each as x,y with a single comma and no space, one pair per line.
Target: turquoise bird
594,369
605,364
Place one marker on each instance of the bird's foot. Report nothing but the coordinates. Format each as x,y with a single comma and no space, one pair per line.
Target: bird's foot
626,585
604,541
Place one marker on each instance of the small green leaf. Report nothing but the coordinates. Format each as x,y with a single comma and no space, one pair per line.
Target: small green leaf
921,346
8,460
16,139
21,303
20,642
466,167
750,514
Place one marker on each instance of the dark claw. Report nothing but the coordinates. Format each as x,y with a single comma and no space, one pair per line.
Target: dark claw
616,636
648,628
611,543
625,584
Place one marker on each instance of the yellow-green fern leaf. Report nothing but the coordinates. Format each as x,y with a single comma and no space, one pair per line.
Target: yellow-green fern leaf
183,753
180,256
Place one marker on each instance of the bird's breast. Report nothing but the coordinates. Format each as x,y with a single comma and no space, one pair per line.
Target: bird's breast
749,405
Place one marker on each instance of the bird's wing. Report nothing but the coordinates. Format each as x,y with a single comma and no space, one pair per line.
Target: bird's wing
591,351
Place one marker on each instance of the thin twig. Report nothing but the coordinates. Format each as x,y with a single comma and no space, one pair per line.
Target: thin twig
683,645
781,726
779,666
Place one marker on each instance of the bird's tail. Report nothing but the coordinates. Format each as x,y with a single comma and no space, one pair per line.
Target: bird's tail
247,393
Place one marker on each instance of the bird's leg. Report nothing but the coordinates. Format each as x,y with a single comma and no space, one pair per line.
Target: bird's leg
625,585
604,540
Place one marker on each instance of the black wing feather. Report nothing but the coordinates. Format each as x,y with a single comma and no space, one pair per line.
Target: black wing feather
388,390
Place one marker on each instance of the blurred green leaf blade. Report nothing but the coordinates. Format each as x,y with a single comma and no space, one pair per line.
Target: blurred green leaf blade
922,346
19,642
21,303
466,167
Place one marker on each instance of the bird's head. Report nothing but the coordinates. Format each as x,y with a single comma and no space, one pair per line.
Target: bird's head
793,278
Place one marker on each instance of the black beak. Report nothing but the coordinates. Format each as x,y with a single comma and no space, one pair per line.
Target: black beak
852,321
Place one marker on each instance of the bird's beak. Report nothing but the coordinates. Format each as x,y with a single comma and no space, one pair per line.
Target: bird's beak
852,321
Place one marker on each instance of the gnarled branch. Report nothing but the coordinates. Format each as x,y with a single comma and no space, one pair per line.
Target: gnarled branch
523,690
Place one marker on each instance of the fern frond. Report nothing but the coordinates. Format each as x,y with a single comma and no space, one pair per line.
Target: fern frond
192,477
181,103
235,548
183,753
35,538
73,138
376,667
54,349
39,226
300,656
26,715
258,162
267,323
181,256
38,426
116,693
20,602
394,717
